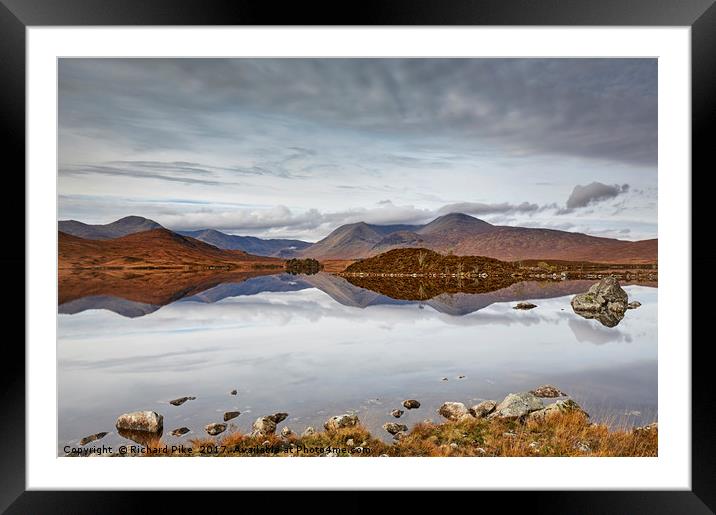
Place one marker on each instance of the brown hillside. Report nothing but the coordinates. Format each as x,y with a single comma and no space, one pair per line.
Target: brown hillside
158,248
427,262
516,243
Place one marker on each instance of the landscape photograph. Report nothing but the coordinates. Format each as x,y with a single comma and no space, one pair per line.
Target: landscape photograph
357,257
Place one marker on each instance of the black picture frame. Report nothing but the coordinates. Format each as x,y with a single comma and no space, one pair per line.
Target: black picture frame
17,15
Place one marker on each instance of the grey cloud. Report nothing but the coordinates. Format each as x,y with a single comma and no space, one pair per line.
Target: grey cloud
479,208
583,196
281,218
594,108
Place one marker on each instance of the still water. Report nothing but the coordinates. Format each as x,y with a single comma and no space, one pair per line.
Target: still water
317,346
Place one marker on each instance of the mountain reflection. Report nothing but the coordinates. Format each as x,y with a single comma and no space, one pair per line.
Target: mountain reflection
133,294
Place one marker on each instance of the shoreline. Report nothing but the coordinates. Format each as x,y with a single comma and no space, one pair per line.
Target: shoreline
521,425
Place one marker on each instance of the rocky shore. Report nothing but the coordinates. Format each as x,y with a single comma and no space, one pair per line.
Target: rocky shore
521,424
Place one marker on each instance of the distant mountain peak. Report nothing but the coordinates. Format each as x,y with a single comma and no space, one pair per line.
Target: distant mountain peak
122,227
134,219
460,217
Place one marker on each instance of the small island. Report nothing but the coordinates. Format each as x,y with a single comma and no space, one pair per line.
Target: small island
306,266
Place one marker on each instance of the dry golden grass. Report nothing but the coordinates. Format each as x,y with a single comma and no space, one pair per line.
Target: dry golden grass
563,434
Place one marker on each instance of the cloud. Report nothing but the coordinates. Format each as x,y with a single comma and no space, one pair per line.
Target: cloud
602,109
583,196
479,208
281,219
165,172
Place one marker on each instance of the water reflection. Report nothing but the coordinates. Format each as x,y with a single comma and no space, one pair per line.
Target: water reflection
317,346
137,294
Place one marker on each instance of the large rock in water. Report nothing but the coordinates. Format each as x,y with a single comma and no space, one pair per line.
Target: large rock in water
215,428
341,421
605,301
145,421
517,405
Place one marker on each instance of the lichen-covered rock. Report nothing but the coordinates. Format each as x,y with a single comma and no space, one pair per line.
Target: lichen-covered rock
605,301
263,426
146,421
308,431
517,406
411,404
482,409
547,391
215,428
453,410
286,432
561,406
340,421
394,428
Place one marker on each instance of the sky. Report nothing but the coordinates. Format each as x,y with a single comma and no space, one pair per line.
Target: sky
296,147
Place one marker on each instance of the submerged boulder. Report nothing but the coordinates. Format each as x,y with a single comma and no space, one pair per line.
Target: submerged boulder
633,304
525,305
397,413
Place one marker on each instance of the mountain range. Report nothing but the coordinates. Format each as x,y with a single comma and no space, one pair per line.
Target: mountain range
156,248
122,227
250,244
455,233
465,235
